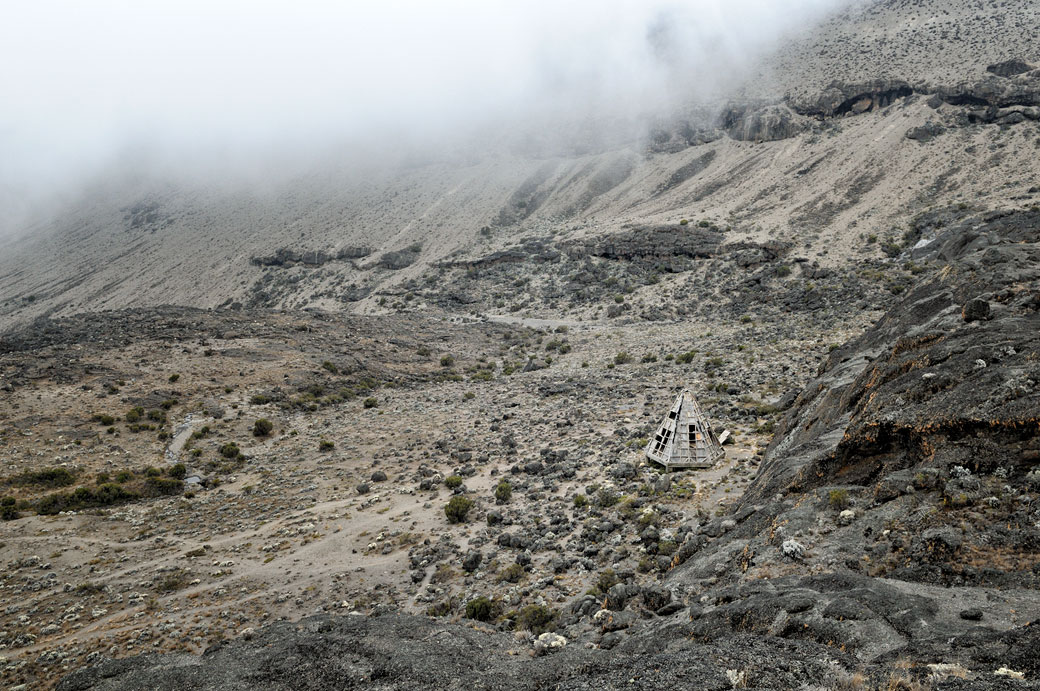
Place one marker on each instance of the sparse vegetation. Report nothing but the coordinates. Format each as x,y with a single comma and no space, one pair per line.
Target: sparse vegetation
47,477
513,573
537,619
838,499
457,509
480,609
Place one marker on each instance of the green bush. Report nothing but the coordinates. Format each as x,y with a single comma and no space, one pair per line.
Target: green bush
480,609
581,501
606,580
447,361
622,358
457,508
537,619
230,450
605,498
134,414
370,402
838,499
512,574
83,498
48,477
152,471
106,420
326,445
262,427
503,492
453,481
162,486
178,470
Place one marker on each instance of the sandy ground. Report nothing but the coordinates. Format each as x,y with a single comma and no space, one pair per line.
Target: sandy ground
286,532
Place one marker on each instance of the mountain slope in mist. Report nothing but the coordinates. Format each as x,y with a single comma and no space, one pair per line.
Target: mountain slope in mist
828,184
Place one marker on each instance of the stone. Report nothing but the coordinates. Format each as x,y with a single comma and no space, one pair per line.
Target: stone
792,549
471,562
1010,68
973,614
617,621
975,309
656,597
549,642
619,595
925,133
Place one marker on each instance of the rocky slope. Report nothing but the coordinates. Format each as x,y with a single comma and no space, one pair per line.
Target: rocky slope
234,422
889,539
911,116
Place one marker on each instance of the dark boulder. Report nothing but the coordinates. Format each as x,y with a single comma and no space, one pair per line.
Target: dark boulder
975,309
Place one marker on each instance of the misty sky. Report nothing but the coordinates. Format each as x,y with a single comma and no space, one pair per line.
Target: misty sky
82,82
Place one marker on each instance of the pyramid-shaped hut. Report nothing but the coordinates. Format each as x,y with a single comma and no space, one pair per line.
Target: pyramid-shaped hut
685,438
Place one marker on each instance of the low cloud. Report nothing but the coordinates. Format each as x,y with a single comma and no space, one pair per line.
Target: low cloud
89,85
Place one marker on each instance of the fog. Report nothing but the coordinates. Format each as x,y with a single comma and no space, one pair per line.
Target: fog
187,84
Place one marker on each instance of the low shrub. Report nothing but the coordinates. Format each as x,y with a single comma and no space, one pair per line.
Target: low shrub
47,477
838,499
262,427
457,508
512,574
605,498
83,498
537,619
162,486
480,609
